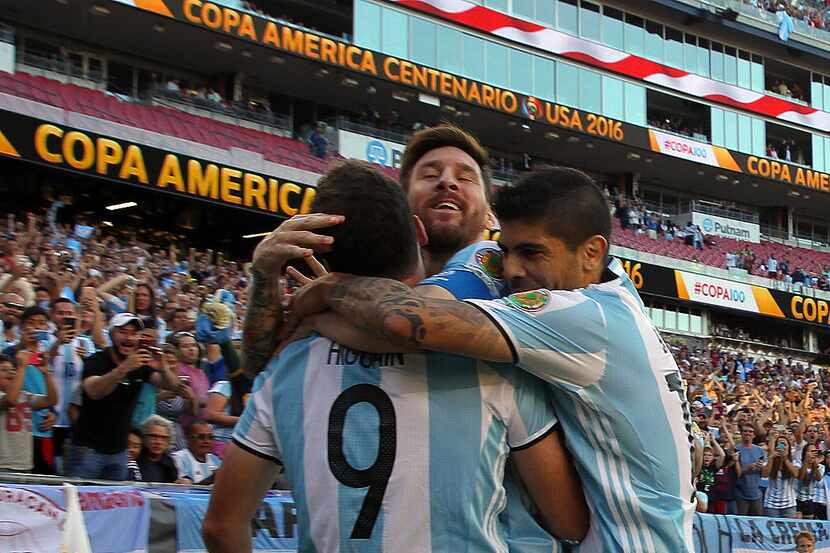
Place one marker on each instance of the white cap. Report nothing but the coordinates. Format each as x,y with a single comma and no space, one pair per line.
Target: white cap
123,319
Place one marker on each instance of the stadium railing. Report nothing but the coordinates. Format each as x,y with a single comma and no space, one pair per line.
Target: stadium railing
763,18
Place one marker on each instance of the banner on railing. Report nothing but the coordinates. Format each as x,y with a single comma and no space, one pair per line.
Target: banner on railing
32,518
274,527
731,534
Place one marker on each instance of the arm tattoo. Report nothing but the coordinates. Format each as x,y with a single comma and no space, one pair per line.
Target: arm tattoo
395,312
263,321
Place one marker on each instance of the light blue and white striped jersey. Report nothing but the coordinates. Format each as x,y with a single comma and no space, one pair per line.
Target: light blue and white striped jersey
473,273
223,388
189,467
66,368
621,402
393,452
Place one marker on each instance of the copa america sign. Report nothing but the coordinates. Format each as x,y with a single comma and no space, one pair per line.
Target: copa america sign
727,228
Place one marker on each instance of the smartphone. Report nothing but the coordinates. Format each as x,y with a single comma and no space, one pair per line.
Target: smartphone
184,379
779,447
145,343
69,323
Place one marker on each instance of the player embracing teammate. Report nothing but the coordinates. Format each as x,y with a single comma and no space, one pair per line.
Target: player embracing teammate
389,437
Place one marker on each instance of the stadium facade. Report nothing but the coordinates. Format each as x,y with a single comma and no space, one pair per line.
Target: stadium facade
696,107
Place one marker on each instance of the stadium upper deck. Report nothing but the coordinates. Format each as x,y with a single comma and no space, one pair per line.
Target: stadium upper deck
600,87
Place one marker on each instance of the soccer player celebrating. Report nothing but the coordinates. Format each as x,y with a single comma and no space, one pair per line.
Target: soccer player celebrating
446,177
391,451
576,322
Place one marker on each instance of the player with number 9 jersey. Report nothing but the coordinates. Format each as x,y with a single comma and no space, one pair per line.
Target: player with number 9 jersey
393,452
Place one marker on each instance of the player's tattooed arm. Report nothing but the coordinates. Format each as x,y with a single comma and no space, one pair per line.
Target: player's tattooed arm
396,313
263,321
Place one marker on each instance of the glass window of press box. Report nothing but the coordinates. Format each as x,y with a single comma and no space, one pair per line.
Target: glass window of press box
675,317
408,36
642,37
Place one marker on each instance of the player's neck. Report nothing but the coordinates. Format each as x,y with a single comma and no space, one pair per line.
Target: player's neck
435,260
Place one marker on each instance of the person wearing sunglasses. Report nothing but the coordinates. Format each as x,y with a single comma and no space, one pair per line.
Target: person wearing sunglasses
196,463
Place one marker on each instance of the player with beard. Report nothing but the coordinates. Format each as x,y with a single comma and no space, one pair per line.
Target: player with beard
445,174
578,323
447,180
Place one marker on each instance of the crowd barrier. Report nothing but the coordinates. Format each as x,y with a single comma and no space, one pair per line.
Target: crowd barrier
149,519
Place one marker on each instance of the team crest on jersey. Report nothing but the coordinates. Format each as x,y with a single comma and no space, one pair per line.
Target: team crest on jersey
530,301
490,261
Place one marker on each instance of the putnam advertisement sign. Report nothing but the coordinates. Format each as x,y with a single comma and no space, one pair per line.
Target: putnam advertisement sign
119,160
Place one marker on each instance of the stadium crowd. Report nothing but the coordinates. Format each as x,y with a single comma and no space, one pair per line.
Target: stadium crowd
72,292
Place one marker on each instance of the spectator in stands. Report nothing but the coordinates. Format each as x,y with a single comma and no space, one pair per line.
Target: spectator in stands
135,441
772,266
181,320
318,143
196,463
146,404
782,472
805,542
713,459
30,354
189,353
748,496
810,476
214,96
67,356
112,381
218,412
155,462
16,406
10,311
173,86
173,405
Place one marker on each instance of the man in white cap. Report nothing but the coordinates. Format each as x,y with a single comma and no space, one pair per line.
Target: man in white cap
112,380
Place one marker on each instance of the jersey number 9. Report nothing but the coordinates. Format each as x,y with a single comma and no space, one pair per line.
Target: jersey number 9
375,477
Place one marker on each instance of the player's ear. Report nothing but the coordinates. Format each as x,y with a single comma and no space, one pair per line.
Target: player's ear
594,250
420,231
490,220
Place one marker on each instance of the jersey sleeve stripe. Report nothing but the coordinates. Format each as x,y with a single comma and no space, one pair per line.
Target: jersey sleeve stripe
252,450
502,329
536,438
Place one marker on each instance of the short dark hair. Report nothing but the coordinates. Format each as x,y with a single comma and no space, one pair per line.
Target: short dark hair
6,359
196,422
377,219
445,134
149,323
60,300
43,289
567,201
32,311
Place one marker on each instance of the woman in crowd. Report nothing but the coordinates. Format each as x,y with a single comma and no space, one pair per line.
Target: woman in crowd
810,477
226,400
173,406
780,499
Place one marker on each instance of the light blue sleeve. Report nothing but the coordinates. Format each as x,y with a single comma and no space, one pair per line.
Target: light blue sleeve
533,416
560,336
255,430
